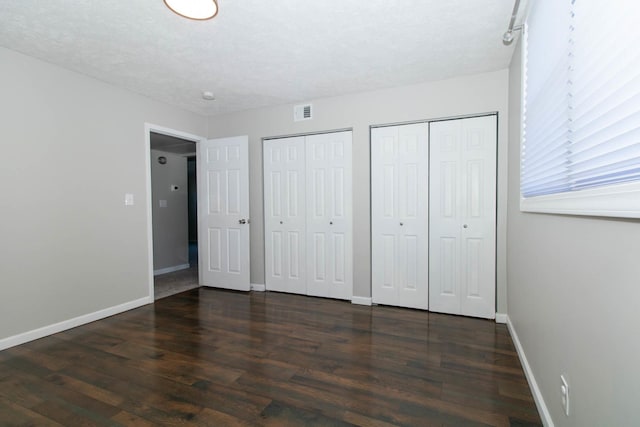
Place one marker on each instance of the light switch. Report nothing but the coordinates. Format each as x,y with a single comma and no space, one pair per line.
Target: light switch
163,203
128,199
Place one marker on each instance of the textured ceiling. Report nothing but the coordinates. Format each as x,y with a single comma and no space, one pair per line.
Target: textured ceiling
258,53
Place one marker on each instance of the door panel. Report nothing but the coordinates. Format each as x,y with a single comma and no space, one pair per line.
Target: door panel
277,261
329,215
413,210
215,249
463,212
339,258
399,210
445,217
285,261
479,252
384,217
223,183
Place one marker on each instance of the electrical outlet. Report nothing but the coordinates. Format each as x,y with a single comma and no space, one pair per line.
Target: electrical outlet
564,393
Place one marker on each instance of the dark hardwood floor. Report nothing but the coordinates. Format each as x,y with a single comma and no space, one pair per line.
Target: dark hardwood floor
215,358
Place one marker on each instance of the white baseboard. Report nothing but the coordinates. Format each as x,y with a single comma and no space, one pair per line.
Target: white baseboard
71,323
258,287
501,318
547,421
171,269
360,300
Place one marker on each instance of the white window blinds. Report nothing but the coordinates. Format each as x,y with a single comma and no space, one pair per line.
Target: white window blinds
582,96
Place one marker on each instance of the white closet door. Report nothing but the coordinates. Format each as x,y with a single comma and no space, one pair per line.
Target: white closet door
384,216
462,217
329,228
284,210
223,201
399,198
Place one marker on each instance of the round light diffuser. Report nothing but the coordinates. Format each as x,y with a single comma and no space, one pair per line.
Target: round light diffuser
194,9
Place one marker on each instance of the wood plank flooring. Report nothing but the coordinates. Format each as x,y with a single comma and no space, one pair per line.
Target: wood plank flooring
217,358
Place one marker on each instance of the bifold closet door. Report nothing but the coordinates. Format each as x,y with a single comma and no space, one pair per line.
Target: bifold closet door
329,206
307,209
399,215
284,215
462,223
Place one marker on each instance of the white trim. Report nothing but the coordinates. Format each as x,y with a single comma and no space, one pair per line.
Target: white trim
71,323
258,287
436,119
501,318
148,128
620,200
360,300
533,385
268,138
171,269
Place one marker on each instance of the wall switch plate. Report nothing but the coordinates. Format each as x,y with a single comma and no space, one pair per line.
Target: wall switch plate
128,199
564,393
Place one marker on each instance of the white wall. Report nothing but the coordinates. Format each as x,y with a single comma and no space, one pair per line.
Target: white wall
573,300
71,148
170,223
460,96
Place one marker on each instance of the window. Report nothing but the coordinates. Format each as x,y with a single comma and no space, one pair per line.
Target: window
581,113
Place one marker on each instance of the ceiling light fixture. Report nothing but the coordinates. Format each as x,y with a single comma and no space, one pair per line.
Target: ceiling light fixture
200,10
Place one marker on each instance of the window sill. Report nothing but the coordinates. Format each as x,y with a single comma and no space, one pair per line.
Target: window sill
621,200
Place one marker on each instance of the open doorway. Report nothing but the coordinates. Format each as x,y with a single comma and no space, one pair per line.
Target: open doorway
173,208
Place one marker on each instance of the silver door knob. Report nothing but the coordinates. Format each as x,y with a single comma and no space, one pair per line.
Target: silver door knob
401,224
330,222
242,221
465,226
280,222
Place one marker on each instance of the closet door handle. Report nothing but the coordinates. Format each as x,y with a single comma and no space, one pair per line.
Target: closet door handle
465,226
401,224
242,221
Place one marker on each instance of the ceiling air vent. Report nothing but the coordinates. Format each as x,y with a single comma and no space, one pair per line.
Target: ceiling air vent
302,112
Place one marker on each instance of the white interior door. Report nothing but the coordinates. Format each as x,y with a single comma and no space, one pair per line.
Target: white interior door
284,213
223,207
463,216
399,210
329,227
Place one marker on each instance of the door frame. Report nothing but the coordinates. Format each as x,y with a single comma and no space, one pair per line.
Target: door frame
148,128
